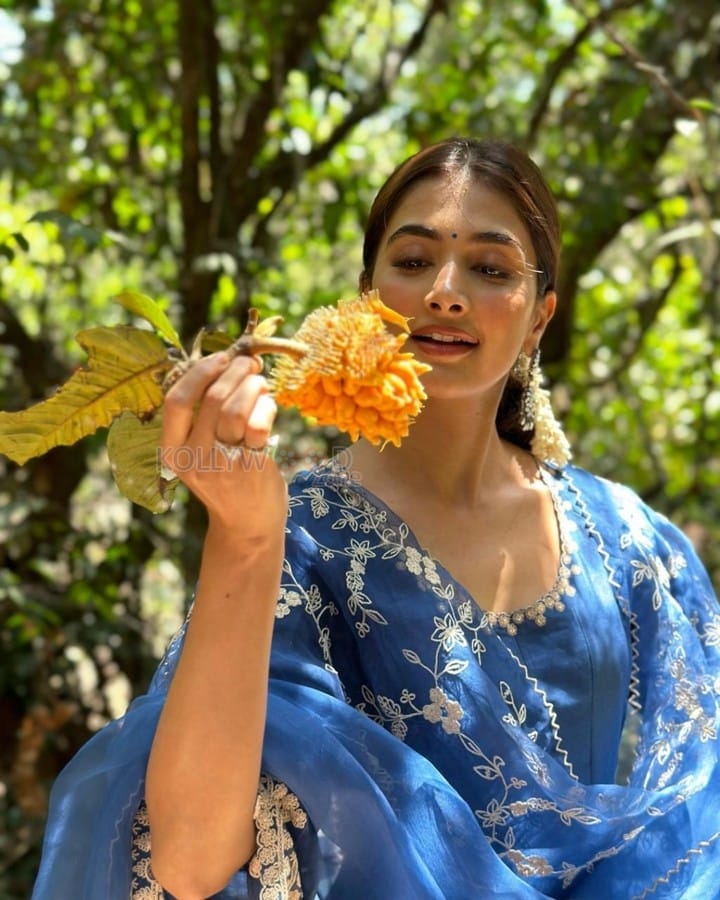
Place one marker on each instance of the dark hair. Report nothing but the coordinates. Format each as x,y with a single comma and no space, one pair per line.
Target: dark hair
502,167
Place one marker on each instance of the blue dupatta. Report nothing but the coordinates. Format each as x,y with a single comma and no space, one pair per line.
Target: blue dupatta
416,749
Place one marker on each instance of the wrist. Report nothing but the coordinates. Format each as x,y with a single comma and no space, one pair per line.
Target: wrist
245,540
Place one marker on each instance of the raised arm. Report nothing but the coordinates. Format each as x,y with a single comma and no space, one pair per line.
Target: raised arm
203,772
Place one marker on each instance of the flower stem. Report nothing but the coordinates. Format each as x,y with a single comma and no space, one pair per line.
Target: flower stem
251,345
251,342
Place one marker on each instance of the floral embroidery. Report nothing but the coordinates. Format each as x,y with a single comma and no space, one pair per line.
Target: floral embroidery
448,632
286,600
653,569
422,706
442,709
275,863
529,865
711,632
143,885
293,594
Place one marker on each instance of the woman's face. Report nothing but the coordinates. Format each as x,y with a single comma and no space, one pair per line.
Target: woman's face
458,261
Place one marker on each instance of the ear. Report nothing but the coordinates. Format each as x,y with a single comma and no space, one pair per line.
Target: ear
543,312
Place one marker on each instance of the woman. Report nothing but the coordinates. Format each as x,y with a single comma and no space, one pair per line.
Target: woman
457,625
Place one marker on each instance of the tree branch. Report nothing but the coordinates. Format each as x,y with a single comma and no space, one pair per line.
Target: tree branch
281,172
300,31
563,61
211,59
190,91
655,73
648,310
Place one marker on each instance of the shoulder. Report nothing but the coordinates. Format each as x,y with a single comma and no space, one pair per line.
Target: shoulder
325,500
313,490
618,509
598,490
327,486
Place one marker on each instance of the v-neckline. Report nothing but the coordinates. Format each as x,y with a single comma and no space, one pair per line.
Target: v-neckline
552,599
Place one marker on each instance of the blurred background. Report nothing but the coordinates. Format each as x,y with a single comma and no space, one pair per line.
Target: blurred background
220,154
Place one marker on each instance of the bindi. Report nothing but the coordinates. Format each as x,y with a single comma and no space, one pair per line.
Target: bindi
453,235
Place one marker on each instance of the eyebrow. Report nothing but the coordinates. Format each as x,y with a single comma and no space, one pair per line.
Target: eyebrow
480,237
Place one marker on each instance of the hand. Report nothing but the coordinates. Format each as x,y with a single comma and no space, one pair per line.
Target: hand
225,400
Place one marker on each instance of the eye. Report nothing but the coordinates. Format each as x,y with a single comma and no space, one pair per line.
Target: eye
493,272
410,263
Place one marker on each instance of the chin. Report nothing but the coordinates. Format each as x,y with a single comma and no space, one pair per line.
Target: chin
468,391
440,392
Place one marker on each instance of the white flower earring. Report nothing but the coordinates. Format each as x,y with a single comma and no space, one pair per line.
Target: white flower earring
548,442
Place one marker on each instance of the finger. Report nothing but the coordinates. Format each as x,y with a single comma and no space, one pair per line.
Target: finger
230,424
206,405
260,422
185,394
239,369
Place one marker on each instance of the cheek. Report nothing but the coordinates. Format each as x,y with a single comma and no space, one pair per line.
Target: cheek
517,306
397,293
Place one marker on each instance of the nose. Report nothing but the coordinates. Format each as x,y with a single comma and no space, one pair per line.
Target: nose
445,295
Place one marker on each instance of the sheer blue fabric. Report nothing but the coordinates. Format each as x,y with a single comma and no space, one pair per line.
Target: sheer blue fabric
417,748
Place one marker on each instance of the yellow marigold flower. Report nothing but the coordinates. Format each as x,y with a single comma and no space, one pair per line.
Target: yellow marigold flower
354,374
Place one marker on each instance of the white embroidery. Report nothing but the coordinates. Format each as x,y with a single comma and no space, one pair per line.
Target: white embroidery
456,629
275,863
143,885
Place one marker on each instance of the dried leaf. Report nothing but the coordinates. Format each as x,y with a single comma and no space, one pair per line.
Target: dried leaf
133,449
268,327
124,373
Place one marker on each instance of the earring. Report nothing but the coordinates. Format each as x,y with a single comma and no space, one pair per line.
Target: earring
527,372
548,442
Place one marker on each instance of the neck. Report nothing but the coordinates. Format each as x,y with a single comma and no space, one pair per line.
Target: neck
452,452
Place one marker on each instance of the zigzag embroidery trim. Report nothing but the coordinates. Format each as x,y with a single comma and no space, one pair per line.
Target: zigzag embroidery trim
671,873
551,713
133,799
622,601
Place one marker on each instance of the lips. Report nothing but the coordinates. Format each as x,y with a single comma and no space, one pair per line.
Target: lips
444,336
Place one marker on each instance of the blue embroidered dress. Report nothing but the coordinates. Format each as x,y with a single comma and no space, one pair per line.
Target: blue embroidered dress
417,748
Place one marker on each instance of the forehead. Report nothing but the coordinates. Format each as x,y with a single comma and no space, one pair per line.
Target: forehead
461,206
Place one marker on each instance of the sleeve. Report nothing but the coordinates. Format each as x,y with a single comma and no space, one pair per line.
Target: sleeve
668,596
675,626
95,812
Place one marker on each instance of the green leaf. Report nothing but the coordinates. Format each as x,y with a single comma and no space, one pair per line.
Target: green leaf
215,341
704,103
629,105
21,241
69,227
133,447
125,370
145,307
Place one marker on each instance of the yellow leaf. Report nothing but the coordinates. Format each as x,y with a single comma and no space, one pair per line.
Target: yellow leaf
124,373
148,309
134,451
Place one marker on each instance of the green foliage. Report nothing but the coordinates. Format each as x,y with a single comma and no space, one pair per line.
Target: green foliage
217,154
